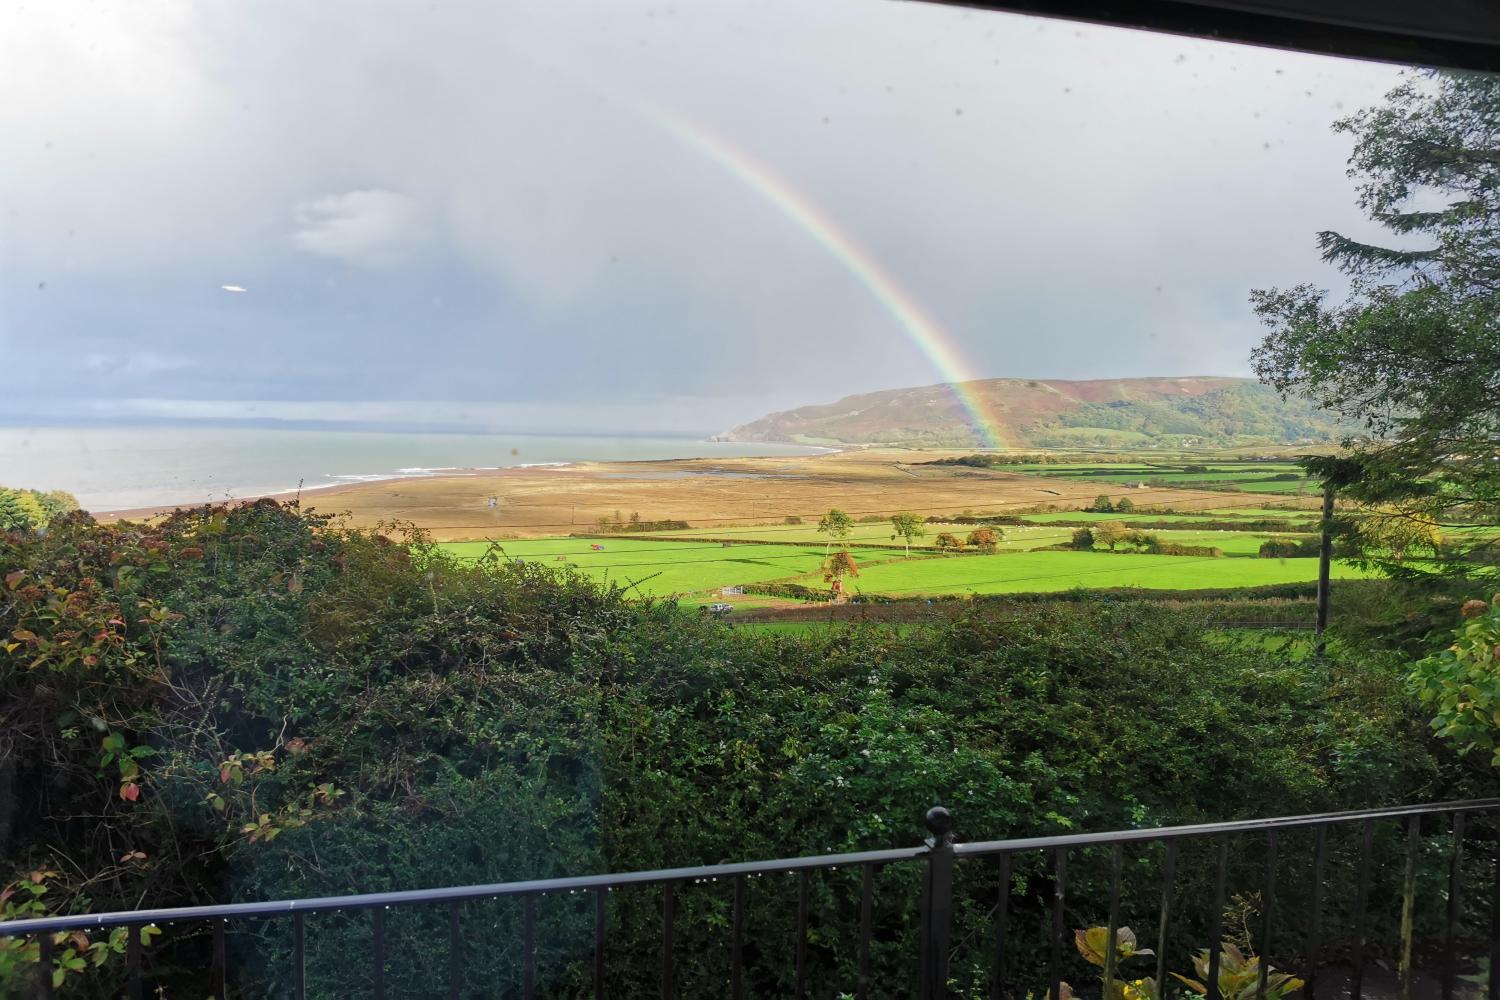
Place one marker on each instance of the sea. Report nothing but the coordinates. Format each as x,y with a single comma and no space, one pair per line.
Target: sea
120,467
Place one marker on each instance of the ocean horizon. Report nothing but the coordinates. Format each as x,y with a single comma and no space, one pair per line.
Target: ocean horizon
118,467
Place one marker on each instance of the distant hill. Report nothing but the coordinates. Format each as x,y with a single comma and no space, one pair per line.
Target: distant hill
1201,411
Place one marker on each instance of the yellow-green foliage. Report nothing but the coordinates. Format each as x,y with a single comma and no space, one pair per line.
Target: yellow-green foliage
1463,681
31,510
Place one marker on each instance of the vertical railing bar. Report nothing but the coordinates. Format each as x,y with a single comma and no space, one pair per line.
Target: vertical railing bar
455,951
528,973
1362,898
1059,923
1315,928
133,961
1216,920
44,966
1168,877
219,976
803,885
1494,990
1455,883
377,989
1113,929
737,946
1268,909
866,927
299,958
1002,926
668,917
1408,907
601,908
937,906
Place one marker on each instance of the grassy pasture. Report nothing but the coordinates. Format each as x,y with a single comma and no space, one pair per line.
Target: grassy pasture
1247,476
1016,537
1041,572
664,568
1234,543
1185,519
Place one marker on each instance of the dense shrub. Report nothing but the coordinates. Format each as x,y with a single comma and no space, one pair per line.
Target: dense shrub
402,720
1291,548
1157,547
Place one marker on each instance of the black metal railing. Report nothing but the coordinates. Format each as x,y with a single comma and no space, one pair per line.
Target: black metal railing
938,861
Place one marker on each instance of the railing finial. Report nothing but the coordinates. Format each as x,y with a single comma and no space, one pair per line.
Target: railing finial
940,823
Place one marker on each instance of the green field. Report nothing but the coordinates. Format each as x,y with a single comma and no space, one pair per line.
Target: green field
1186,520
1233,543
659,568
1248,476
1015,536
1052,571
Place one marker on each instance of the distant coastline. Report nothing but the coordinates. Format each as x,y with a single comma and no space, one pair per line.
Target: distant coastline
153,466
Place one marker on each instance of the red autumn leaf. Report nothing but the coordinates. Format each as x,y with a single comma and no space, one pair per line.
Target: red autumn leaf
130,791
13,580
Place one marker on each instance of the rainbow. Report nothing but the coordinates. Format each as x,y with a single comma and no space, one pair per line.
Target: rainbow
935,343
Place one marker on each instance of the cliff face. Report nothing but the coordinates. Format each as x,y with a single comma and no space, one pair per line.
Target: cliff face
1125,412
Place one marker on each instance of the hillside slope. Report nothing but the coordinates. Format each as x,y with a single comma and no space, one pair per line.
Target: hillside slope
1057,413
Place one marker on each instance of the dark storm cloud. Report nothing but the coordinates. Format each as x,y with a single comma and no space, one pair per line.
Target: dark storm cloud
464,202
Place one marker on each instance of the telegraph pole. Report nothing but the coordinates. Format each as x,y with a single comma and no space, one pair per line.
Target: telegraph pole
1325,558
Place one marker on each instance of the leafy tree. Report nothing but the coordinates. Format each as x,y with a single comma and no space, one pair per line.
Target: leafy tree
1413,353
1111,533
1394,533
986,540
57,503
836,525
1125,505
21,511
1083,538
838,566
908,526
948,540
1102,504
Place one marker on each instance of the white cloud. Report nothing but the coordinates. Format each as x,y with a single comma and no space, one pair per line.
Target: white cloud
371,228
134,365
1068,201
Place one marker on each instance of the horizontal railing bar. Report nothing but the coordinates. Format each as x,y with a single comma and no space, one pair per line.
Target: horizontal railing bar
187,914
984,847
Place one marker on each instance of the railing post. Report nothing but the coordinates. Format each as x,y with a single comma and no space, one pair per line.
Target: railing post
937,906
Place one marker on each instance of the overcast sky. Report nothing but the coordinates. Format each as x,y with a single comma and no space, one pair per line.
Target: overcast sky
473,205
